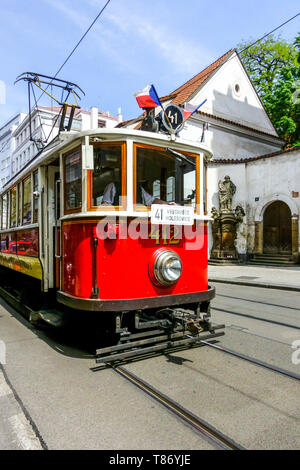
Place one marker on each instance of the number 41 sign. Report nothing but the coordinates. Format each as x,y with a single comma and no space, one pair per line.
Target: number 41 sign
163,214
172,118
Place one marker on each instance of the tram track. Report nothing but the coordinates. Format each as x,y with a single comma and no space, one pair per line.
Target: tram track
200,427
252,317
252,360
218,439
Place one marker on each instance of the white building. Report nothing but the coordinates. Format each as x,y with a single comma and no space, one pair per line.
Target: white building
7,146
45,123
235,125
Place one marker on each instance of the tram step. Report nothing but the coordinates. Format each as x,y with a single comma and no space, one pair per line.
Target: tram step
52,317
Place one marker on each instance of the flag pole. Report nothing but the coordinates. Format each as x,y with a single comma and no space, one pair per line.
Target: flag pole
196,109
167,118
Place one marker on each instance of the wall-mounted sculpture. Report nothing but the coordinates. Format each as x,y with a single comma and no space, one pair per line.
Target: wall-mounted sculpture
224,225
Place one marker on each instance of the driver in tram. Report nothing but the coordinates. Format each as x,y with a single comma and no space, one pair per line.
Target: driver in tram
112,193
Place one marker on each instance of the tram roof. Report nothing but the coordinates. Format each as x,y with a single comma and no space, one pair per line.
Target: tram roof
67,139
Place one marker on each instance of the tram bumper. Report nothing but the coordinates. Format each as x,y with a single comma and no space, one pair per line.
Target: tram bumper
119,305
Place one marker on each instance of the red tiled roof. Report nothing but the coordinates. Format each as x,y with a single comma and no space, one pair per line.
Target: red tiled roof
183,93
252,159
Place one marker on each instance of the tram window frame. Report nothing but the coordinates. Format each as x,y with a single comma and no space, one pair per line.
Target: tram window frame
65,157
29,213
13,217
140,207
19,204
90,206
205,189
35,202
4,224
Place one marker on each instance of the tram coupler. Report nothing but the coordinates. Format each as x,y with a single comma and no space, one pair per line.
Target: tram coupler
142,322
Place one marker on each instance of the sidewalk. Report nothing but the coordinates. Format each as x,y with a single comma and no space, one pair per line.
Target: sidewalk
287,278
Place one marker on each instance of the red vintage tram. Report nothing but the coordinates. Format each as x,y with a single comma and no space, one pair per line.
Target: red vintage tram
111,225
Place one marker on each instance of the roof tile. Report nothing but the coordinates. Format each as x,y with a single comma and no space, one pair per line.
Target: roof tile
183,93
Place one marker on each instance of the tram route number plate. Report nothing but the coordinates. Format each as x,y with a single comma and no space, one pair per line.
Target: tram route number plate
172,215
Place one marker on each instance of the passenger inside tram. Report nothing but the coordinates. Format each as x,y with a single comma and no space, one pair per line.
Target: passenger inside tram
160,178
112,193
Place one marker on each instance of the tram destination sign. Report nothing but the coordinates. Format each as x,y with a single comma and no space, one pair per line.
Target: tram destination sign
165,214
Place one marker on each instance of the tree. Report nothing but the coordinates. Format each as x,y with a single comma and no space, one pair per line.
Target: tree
274,68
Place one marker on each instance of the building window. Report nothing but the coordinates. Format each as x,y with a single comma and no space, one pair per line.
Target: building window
237,89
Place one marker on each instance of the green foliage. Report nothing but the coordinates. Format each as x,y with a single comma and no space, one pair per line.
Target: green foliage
274,68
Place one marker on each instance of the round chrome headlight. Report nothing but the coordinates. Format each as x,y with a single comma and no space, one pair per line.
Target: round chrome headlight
167,268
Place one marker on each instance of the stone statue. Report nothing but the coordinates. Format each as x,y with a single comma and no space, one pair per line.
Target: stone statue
226,191
215,213
239,213
224,225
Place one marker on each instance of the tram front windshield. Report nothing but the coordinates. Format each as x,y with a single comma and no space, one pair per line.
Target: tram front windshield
165,176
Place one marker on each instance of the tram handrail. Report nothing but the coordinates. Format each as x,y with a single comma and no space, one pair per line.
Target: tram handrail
57,182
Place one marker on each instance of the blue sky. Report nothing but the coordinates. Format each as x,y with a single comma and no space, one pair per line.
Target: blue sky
134,43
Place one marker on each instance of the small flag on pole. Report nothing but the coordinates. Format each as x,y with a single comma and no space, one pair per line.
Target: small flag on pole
189,109
147,98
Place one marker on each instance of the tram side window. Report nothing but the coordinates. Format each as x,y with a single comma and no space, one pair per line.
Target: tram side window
19,204
27,201
4,212
35,199
166,177
73,191
107,176
13,207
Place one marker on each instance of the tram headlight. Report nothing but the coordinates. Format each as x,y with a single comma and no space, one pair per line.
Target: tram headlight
167,268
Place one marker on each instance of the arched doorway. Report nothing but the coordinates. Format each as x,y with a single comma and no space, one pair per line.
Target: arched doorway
277,232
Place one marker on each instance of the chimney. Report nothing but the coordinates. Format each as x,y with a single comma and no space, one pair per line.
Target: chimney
94,117
120,117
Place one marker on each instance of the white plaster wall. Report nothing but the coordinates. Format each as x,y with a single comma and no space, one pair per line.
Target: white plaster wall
268,179
272,179
227,144
223,101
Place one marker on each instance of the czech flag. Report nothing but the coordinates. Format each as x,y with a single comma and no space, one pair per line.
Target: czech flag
189,109
147,98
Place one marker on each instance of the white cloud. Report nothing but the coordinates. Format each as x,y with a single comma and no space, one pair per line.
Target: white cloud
179,52
120,28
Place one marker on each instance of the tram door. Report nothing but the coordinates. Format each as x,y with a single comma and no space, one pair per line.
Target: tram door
54,226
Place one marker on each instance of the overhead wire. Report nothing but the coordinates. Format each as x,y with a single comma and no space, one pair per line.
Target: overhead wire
268,34
61,67
243,50
78,43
